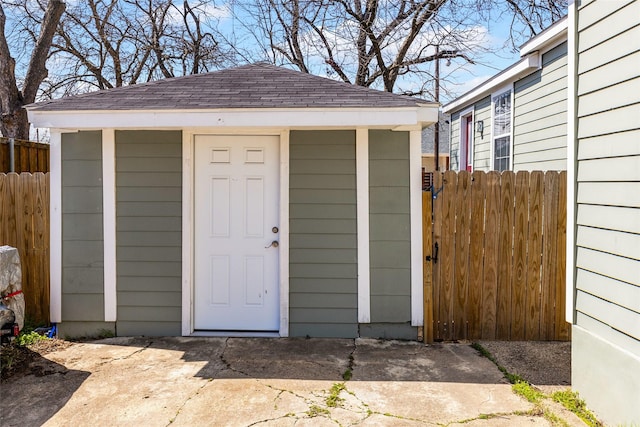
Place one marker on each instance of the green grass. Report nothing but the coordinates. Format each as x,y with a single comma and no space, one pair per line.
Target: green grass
572,402
524,389
567,398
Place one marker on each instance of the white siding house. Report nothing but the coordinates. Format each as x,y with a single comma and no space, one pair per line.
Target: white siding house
604,280
516,120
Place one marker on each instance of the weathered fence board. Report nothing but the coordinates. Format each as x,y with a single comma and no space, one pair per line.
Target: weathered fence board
426,271
500,268
28,156
24,224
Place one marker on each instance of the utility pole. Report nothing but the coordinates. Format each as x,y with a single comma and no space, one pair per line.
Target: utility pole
436,129
451,53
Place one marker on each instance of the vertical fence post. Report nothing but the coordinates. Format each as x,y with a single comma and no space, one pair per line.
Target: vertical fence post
12,167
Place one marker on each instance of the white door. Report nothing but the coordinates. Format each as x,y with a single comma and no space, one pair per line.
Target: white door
236,233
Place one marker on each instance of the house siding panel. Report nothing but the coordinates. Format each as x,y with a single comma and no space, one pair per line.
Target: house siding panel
607,305
148,237
389,225
322,221
482,143
540,115
82,241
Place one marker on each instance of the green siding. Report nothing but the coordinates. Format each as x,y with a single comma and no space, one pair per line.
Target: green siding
540,115
482,143
389,229
82,242
606,330
323,242
148,236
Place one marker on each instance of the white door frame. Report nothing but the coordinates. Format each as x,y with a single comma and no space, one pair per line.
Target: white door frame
188,200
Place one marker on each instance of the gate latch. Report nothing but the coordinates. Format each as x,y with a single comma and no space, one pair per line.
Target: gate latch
435,255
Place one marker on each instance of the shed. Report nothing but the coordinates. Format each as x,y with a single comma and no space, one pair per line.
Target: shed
252,201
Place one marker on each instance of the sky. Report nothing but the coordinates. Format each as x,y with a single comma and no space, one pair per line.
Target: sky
456,78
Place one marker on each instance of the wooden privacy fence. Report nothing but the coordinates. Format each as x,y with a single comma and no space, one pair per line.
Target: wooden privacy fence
495,258
24,224
28,156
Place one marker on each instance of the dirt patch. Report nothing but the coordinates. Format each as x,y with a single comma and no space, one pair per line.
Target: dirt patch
16,360
546,363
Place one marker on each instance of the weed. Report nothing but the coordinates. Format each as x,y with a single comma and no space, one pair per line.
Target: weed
512,378
7,357
347,375
554,419
315,411
334,395
524,389
105,333
25,339
572,402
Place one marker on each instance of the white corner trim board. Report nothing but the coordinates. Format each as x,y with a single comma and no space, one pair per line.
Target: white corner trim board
109,223
572,155
415,191
362,202
284,233
187,233
55,218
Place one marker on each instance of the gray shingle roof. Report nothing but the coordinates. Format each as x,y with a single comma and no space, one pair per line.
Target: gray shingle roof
248,86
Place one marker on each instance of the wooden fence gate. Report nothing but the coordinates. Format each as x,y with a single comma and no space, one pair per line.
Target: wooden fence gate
24,224
494,246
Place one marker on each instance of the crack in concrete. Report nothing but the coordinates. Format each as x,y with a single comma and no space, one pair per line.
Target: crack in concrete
128,356
197,392
226,363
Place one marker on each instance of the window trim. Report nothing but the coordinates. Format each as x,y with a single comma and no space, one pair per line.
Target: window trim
494,95
468,112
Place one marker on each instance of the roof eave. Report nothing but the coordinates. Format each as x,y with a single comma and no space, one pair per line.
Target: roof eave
549,37
519,69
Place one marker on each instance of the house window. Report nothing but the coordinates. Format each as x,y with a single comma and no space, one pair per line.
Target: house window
501,141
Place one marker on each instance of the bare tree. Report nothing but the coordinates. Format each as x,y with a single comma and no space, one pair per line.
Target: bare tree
367,43
530,17
111,43
14,122
378,42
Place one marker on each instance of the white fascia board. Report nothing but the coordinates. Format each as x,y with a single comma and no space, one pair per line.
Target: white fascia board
428,115
520,69
245,118
550,36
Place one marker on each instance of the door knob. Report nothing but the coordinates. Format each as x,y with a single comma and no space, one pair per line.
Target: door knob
275,244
